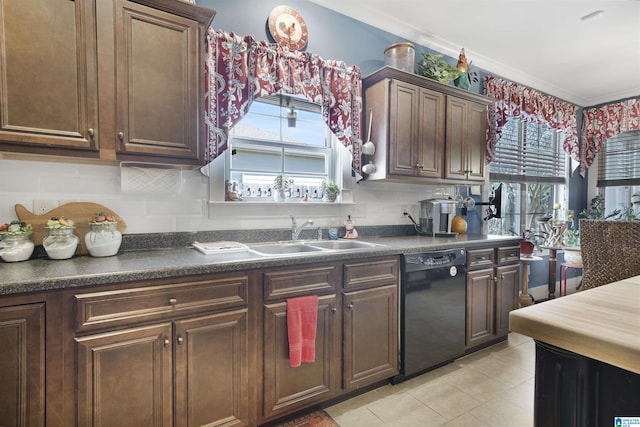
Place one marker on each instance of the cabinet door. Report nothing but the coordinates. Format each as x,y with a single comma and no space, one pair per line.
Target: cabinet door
370,336
455,157
22,365
403,130
158,94
507,286
476,141
125,378
431,134
465,140
480,306
285,388
211,370
48,80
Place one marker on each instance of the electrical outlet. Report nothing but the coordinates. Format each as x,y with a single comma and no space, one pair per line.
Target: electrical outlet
41,207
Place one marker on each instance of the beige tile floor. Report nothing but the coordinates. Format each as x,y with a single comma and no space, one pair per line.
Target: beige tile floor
490,388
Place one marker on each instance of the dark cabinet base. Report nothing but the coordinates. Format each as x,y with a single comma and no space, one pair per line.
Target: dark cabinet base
575,391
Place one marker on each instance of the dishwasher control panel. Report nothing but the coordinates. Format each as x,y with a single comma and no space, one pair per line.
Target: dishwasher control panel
437,258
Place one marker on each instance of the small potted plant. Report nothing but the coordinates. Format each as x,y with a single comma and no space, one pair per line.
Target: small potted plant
330,190
527,245
434,67
281,184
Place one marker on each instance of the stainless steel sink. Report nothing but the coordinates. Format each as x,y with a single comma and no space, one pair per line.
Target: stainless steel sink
341,244
284,249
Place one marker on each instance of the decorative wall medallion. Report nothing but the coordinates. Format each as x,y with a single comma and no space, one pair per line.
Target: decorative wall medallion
288,28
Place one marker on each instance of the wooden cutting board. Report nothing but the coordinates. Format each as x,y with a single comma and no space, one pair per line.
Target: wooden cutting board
79,212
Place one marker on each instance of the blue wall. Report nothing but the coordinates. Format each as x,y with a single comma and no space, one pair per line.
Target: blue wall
336,36
331,35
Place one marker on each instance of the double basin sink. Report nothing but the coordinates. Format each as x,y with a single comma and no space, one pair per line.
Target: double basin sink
293,248
289,249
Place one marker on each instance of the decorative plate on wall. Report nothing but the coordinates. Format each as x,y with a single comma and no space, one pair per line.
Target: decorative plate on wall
288,28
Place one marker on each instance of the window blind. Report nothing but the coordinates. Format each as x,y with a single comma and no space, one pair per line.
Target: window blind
528,152
619,161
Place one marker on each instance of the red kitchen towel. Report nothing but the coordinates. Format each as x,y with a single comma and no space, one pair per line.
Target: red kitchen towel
302,318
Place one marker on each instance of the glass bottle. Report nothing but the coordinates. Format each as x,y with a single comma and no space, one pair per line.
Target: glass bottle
103,239
61,243
16,247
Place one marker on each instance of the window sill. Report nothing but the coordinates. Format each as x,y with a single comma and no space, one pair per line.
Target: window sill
272,203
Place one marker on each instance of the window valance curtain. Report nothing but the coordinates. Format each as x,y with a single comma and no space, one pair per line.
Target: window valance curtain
241,69
600,124
514,100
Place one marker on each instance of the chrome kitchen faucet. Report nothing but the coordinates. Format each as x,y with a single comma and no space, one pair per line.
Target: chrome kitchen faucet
295,231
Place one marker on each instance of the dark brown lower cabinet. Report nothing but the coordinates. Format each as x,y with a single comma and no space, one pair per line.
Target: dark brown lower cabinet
493,283
191,371
125,378
507,290
163,353
370,330
356,335
22,365
211,374
285,388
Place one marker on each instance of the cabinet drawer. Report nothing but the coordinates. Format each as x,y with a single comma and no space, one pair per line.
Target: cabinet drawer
122,307
371,273
477,258
298,281
509,254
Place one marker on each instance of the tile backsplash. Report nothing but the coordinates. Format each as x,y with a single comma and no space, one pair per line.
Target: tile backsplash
189,210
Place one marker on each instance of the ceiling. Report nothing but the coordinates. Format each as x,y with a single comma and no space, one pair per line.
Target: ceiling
543,44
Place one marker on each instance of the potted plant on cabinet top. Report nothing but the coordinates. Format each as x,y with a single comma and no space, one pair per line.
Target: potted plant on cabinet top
281,184
330,190
435,68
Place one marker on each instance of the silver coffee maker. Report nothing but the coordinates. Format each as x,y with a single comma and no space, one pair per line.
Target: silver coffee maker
436,216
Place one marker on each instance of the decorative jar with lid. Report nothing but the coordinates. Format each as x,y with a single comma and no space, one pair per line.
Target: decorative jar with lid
15,241
103,238
61,243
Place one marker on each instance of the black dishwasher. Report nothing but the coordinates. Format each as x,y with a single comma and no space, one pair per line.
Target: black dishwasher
432,322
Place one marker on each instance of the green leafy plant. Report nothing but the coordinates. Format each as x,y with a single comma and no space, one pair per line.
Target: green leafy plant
329,186
282,182
434,67
627,213
571,238
596,209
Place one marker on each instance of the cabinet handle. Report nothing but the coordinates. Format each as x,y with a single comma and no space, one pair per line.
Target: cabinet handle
350,306
333,309
418,165
495,279
180,340
173,301
167,342
120,136
91,132
502,276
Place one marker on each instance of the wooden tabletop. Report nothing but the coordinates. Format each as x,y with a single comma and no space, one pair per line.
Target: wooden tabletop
601,323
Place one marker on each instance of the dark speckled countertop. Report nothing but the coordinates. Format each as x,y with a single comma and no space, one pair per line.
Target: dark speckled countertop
45,274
